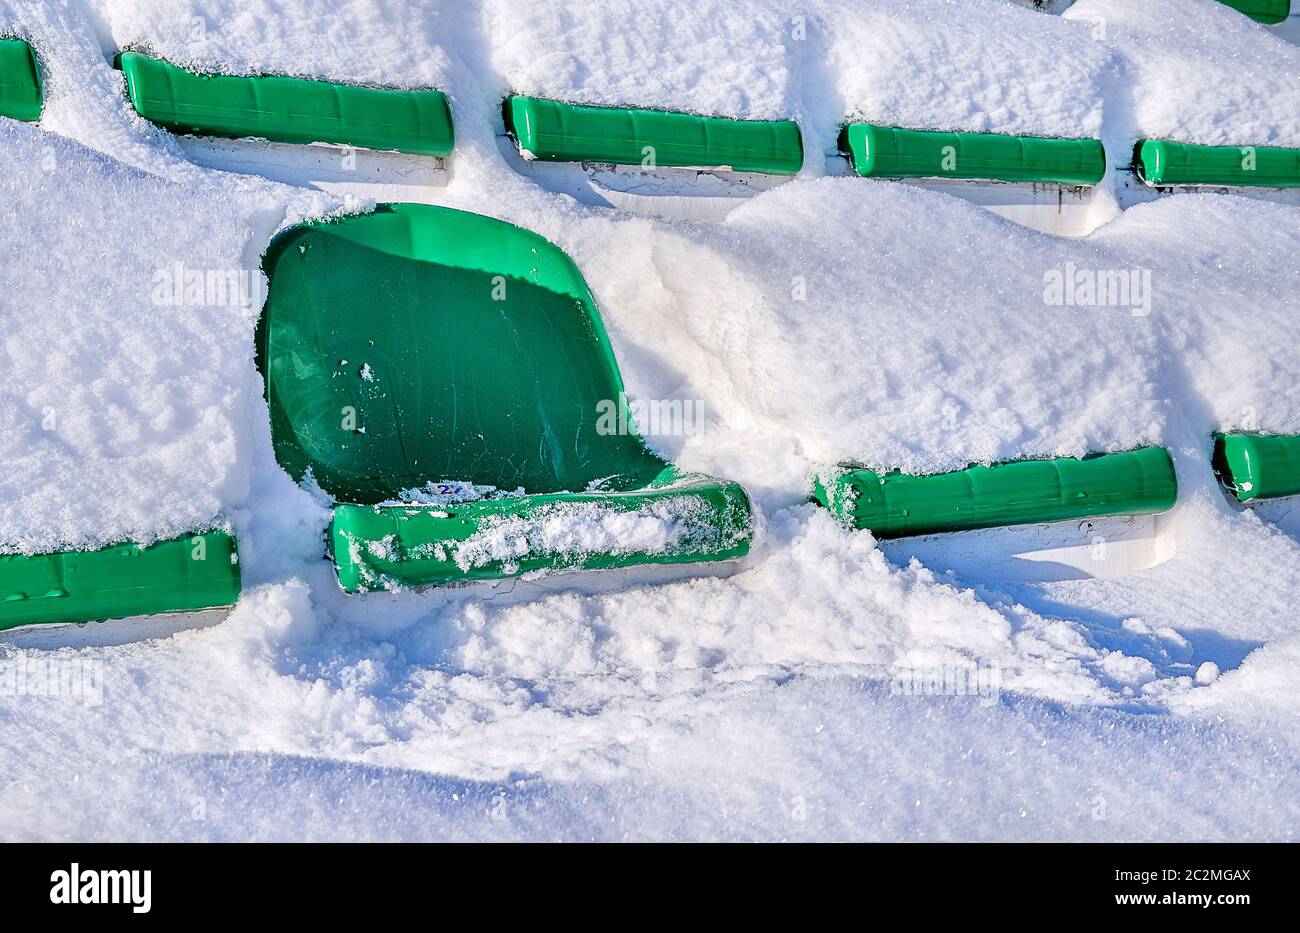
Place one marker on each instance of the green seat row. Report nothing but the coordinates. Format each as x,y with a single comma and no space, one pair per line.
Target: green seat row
1258,466
553,131
296,110
286,109
417,352
1136,482
184,574
20,83
1164,162
1269,12
892,152
301,111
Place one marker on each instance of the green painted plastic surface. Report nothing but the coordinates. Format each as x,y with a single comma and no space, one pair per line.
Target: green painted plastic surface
1258,466
1270,12
284,109
1163,162
1136,482
20,84
892,152
179,575
419,344
422,345
558,132
396,546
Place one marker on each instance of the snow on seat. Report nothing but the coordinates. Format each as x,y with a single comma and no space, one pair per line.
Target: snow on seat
187,574
894,152
553,131
20,84
1269,12
675,518
447,377
1164,163
891,505
285,109
1258,466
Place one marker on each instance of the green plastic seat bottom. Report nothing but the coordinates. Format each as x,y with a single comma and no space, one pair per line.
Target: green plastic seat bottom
1258,466
1269,12
1163,162
20,84
553,131
892,152
285,109
183,574
891,505
678,519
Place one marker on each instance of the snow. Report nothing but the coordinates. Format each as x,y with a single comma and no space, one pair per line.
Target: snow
984,66
107,390
574,531
676,57
827,319
992,67
398,45
1196,71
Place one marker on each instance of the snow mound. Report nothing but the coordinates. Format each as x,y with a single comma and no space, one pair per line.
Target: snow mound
1196,71
125,397
984,66
674,59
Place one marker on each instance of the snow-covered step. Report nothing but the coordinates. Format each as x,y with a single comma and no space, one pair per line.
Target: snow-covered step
1093,548
675,193
668,164
1130,189
1045,184
340,170
1060,211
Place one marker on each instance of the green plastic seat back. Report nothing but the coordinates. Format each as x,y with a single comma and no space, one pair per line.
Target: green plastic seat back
20,82
420,344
